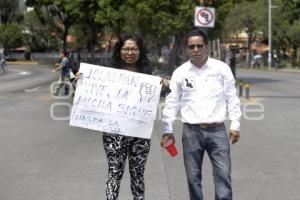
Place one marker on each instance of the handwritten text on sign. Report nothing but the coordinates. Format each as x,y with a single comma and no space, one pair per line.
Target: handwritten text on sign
115,101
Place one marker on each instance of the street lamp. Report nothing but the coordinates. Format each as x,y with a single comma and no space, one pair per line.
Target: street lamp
270,35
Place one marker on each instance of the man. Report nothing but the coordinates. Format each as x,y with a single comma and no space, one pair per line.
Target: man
64,66
2,63
203,90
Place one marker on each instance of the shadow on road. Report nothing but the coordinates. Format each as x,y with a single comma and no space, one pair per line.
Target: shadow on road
252,80
277,97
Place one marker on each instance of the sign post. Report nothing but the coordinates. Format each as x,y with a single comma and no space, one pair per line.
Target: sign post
204,17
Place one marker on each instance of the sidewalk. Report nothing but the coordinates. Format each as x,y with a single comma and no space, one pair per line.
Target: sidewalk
267,70
22,62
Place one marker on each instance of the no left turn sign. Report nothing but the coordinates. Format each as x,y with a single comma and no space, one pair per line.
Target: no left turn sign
204,17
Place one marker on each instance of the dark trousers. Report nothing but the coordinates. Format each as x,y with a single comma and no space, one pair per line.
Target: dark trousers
215,142
63,82
117,149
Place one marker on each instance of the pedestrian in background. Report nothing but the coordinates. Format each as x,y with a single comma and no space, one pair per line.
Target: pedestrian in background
64,79
203,90
2,63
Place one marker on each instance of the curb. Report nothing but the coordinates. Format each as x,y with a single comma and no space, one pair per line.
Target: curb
272,70
289,70
22,62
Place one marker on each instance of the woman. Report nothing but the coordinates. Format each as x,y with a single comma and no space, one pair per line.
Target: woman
130,54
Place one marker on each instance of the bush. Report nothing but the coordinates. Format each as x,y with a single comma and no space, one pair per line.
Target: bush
27,55
295,63
11,59
284,64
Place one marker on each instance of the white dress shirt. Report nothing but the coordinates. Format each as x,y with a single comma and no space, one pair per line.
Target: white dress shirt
202,95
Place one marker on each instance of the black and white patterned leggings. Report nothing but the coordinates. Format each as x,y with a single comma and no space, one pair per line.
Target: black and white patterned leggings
117,149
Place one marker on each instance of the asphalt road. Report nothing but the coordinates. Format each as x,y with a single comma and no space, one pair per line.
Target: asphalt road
42,158
266,160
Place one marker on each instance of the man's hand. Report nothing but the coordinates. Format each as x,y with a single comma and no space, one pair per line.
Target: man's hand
234,136
165,137
57,67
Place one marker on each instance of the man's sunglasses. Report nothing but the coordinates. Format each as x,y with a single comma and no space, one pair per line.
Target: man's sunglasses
199,46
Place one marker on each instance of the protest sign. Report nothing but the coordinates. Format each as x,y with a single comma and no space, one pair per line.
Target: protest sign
115,101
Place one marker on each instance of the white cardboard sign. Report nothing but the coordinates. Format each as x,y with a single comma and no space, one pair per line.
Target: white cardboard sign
115,101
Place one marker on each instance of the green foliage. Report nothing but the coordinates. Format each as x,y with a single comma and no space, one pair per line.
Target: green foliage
62,13
291,9
37,35
10,15
159,20
286,25
286,22
87,28
247,15
10,36
9,12
294,32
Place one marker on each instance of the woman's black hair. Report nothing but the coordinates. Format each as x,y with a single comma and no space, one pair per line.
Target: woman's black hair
65,53
142,62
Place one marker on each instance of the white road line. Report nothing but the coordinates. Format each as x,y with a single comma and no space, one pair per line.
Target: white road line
25,73
33,89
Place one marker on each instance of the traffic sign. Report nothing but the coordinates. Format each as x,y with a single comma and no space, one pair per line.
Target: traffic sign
204,17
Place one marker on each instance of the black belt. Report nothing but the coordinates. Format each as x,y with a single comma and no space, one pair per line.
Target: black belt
207,125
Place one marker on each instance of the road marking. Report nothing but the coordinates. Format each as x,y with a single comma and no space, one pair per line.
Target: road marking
45,98
3,97
24,73
250,100
33,89
24,97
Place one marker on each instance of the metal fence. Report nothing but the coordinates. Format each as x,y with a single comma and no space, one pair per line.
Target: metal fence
52,57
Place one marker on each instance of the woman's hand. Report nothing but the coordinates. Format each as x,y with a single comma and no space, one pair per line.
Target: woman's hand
165,83
78,75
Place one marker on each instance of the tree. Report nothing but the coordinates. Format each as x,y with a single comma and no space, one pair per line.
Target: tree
160,21
223,8
87,21
9,12
169,20
112,14
291,8
286,26
156,20
10,36
37,35
61,12
251,19
293,35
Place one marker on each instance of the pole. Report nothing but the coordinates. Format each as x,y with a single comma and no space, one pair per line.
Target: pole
270,35
219,49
